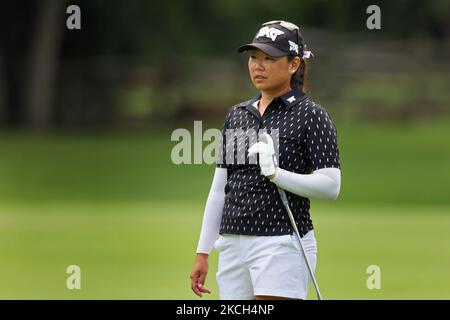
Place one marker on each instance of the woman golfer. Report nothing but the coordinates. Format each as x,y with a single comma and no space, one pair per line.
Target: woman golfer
294,149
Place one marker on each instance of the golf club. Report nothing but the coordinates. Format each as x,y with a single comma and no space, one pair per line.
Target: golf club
294,226
266,138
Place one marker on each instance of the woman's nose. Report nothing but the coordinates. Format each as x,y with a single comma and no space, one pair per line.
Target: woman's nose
259,65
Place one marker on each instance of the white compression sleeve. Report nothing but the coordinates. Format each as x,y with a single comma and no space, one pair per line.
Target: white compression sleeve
322,183
212,215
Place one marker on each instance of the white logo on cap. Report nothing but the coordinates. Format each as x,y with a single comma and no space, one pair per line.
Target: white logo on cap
269,32
293,46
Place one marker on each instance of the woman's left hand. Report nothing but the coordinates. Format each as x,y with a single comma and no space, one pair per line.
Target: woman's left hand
266,155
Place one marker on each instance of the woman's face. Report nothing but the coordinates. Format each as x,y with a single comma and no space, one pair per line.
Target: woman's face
270,74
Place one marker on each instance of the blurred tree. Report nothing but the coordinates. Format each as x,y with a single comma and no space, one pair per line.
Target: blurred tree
30,42
16,19
42,62
2,91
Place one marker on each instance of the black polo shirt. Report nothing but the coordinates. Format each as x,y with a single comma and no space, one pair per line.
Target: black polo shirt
307,142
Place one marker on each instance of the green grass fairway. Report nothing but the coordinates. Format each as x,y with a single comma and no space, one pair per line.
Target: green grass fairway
146,250
115,205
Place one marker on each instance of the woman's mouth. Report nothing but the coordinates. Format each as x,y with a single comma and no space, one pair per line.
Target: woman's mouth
259,77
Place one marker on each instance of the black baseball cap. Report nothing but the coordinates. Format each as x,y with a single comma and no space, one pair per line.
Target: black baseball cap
277,38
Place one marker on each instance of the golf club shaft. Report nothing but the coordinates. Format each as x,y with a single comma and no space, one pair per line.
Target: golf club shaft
294,226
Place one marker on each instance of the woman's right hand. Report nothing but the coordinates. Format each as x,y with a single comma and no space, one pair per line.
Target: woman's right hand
198,274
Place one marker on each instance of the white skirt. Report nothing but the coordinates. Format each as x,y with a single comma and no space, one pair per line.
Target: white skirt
264,265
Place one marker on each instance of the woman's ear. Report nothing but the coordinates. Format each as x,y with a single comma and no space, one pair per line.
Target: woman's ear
295,64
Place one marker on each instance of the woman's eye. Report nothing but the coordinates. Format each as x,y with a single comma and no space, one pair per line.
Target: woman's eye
270,59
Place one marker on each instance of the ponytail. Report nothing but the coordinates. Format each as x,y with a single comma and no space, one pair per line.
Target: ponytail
298,79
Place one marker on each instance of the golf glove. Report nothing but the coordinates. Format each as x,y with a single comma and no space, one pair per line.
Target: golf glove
267,160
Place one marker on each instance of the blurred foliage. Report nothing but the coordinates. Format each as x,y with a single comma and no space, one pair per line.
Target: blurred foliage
184,54
217,27
396,97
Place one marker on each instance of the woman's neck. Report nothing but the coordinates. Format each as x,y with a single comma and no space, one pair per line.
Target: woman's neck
268,96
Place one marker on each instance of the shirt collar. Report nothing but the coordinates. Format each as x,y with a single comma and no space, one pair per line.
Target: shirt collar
290,98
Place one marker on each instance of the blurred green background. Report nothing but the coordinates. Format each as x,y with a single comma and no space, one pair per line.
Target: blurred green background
86,176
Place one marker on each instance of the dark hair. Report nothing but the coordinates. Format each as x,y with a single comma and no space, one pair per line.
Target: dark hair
298,79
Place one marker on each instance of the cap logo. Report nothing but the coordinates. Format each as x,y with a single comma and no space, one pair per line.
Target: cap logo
269,32
293,46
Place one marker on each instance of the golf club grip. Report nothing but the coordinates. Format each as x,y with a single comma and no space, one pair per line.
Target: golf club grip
294,226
